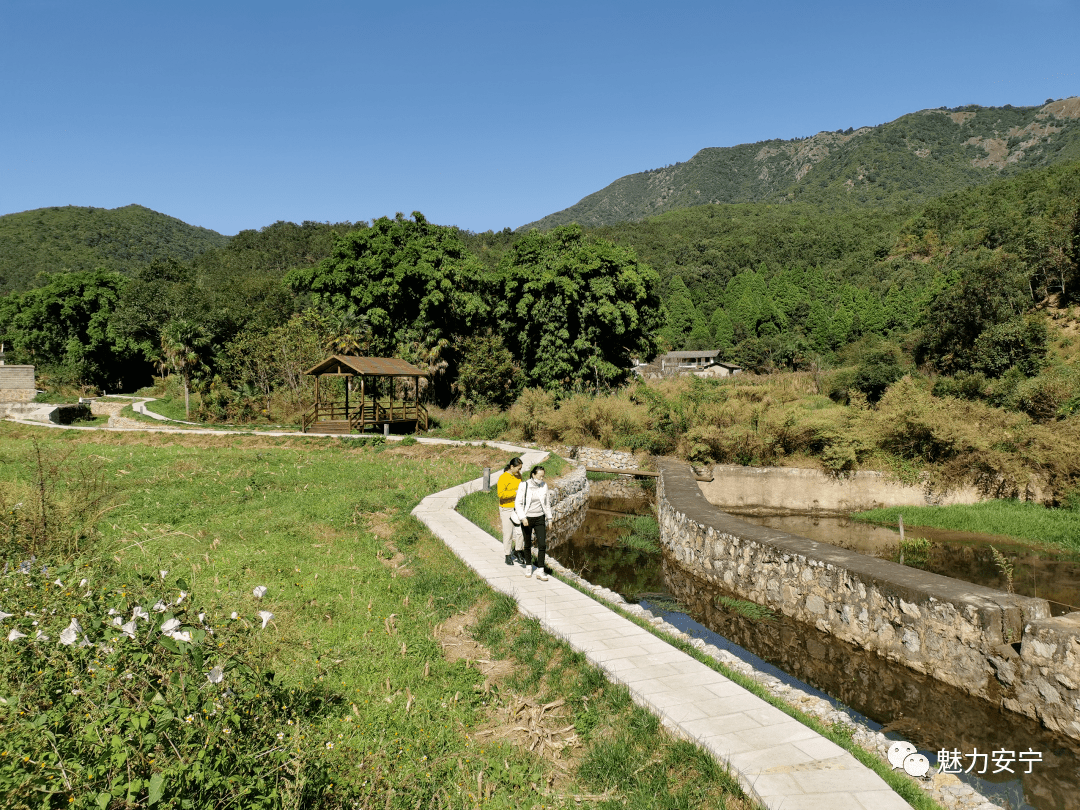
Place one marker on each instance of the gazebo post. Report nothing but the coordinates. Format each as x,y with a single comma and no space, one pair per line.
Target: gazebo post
363,416
317,397
348,379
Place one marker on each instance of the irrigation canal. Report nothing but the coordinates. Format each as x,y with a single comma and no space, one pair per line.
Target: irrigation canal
900,702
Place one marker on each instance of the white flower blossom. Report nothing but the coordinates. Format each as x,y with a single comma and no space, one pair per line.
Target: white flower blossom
128,629
139,613
9,615
160,607
202,618
41,636
58,582
180,598
15,634
71,634
235,615
259,592
170,625
119,620
163,574
177,635
113,611
83,583
266,616
216,675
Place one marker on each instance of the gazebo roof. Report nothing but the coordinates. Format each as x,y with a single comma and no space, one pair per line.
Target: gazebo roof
373,366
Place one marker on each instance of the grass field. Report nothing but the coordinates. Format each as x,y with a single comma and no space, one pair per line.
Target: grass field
387,674
1025,521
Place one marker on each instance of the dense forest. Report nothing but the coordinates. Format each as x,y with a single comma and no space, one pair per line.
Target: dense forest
956,287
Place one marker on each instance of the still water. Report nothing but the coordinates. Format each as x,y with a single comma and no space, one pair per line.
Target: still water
901,702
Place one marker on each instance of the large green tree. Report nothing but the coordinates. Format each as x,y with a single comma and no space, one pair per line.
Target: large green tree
574,310
415,283
64,328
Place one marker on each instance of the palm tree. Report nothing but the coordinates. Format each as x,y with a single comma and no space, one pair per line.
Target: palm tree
182,343
347,332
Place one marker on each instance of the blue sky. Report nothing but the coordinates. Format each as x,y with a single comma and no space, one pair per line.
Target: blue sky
233,115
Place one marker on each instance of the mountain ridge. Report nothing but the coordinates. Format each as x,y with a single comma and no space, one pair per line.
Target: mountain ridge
911,159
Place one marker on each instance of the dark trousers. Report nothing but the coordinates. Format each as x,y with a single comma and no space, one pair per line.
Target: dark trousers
538,525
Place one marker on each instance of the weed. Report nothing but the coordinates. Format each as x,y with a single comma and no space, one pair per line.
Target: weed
749,610
1004,567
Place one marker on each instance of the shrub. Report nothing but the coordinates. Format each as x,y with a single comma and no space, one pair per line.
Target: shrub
531,414
109,702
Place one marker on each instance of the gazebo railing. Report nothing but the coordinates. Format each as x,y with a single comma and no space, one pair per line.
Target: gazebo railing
371,412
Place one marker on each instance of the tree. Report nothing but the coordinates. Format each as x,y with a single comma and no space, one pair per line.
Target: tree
681,314
65,326
183,343
575,310
487,375
416,284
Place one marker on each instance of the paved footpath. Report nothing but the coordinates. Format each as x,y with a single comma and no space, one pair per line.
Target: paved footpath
778,760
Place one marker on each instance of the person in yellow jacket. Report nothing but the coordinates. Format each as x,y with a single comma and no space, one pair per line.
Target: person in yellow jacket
507,487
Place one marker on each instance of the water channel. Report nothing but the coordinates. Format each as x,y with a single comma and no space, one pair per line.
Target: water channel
886,696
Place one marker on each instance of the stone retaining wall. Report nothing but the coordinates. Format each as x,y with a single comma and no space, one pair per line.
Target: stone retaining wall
569,502
618,488
17,383
791,490
596,457
962,634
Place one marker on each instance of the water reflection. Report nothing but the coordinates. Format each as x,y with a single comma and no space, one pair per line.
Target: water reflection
930,714
1050,575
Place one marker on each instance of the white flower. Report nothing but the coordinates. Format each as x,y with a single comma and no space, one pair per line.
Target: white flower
139,613
281,735
202,618
235,615
260,592
160,607
266,616
15,634
170,625
41,636
163,574
58,582
119,620
177,635
83,583
112,611
216,675
9,615
128,629
180,598
71,634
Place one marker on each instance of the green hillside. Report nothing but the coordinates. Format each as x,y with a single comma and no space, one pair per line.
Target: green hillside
906,161
71,238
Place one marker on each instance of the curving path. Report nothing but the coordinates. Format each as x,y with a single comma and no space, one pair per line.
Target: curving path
779,761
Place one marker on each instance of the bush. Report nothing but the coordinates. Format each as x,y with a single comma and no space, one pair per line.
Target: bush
531,415
108,702
876,373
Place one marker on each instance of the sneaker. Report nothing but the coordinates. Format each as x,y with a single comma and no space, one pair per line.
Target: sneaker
529,570
541,575
520,557
509,560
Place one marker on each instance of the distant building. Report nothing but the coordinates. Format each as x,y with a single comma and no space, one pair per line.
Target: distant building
700,363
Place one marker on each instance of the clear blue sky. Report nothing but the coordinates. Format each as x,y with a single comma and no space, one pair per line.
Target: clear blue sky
233,115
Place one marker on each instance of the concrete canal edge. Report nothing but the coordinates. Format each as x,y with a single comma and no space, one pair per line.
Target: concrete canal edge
1002,647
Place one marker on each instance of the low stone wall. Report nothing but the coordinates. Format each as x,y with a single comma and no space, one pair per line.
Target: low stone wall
962,634
618,488
596,457
569,502
791,490
17,383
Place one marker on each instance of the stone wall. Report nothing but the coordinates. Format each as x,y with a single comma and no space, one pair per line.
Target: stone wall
17,384
962,634
791,490
569,502
597,457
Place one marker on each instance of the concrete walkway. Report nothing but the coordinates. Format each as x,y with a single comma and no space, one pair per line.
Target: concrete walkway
778,760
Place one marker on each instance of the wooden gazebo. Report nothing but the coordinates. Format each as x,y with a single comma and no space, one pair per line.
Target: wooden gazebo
377,405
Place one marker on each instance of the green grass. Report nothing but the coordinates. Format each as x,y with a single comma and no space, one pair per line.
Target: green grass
357,588
1029,522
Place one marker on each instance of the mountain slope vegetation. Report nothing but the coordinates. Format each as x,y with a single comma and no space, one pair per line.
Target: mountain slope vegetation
907,161
62,239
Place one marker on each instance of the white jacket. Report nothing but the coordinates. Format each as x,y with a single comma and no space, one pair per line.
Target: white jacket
532,500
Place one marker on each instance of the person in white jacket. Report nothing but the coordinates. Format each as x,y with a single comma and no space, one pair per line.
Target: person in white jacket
532,506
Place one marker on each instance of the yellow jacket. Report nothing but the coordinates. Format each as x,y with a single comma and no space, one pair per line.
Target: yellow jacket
507,488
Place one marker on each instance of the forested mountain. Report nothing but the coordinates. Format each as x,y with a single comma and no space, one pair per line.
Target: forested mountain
71,237
910,160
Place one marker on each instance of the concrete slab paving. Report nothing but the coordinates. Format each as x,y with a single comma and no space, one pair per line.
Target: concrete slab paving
779,762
